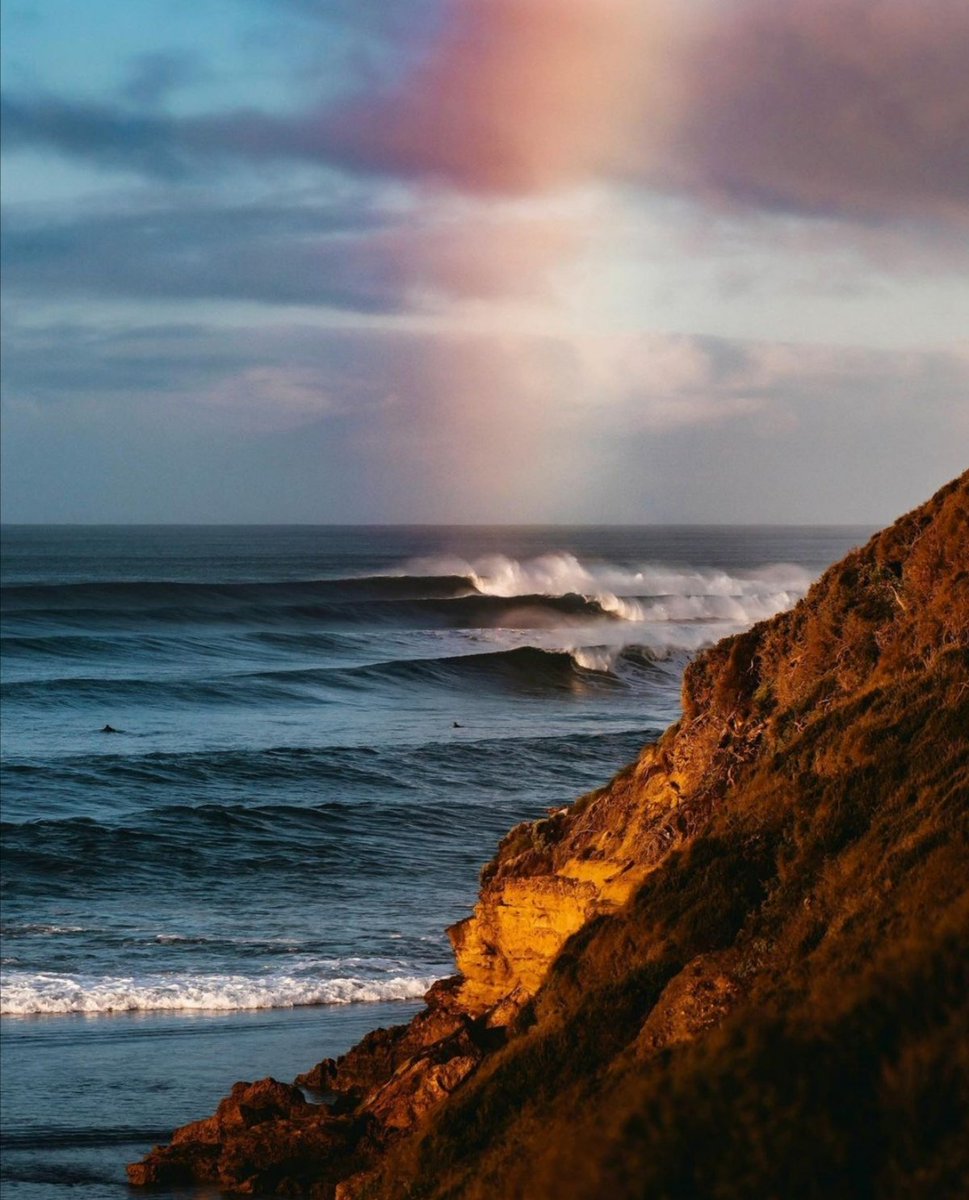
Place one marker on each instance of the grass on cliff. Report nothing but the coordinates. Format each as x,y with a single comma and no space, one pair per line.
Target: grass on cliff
824,905
832,889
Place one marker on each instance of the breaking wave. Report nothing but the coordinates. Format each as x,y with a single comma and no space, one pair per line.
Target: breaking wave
651,592
495,591
48,993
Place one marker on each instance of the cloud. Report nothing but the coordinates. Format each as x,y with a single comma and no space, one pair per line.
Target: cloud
153,76
349,253
455,172
851,108
650,384
104,134
511,95
265,398
515,95
449,387
321,254
439,427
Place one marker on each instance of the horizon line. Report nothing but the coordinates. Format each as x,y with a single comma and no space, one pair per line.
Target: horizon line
439,525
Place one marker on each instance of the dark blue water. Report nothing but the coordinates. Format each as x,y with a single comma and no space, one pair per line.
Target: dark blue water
321,734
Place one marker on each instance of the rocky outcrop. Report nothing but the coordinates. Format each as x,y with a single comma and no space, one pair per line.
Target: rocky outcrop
738,969
264,1137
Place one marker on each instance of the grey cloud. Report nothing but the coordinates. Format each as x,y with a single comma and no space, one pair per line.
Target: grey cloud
152,77
181,422
66,364
289,254
103,134
353,253
57,365
189,149
851,107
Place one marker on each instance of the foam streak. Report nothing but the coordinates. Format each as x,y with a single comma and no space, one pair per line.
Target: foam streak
30,994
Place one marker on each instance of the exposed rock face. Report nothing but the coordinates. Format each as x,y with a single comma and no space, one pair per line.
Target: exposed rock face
550,877
738,970
264,1137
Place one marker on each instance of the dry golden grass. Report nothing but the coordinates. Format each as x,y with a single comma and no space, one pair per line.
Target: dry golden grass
781,1009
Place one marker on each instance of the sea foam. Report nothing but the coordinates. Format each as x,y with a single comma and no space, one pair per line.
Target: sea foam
651,592
25,994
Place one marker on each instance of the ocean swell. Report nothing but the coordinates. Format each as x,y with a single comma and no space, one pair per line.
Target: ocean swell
495,590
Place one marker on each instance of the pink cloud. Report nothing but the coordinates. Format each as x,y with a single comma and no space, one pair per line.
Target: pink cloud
850,107
516,95
480,254
844,108
859,107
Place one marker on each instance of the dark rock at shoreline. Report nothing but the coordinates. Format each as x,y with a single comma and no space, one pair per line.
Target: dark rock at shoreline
263,1137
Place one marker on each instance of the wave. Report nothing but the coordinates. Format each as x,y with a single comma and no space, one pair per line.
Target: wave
339,829
185,844
70,691
618,589
628,662
24,994
455,612
462,761
519,611
494,591
558,574
38,929
126,593
190,841
71,1137
76,647
522,669
530,668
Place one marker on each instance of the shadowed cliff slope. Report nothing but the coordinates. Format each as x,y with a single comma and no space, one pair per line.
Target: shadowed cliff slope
738,970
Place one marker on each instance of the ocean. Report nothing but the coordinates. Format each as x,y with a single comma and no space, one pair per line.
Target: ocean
317,737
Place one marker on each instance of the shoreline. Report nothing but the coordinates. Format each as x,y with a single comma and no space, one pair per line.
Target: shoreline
161,1068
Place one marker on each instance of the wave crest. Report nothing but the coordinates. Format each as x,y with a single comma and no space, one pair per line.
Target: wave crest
46,993
650,592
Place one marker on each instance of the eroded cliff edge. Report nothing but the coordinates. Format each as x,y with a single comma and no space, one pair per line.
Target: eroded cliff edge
737,970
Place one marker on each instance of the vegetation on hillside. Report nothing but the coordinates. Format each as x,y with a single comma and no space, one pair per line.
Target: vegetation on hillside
783,1007
738,971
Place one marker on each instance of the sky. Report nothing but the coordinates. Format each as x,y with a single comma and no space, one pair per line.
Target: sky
498,261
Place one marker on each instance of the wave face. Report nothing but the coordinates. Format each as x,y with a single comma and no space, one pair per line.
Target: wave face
317,736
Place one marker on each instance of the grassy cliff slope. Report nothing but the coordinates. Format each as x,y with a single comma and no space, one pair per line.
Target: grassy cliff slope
738,970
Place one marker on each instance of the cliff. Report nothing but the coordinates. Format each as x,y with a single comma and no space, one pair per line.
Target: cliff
738,970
